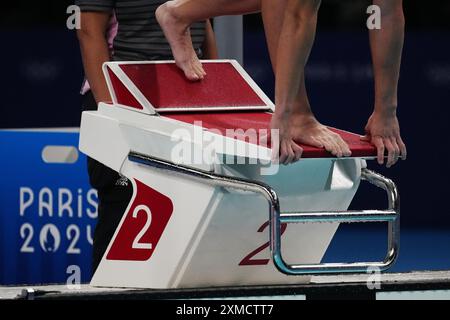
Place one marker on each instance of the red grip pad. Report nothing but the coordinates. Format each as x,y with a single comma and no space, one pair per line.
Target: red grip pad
165,86
260,121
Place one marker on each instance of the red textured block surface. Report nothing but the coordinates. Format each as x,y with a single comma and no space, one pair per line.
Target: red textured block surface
260,122
165,86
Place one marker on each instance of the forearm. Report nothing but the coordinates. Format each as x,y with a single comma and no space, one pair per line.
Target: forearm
386,47
296,41
95,51
210,46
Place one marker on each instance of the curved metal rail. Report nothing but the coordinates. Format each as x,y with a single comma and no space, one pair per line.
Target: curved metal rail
276,218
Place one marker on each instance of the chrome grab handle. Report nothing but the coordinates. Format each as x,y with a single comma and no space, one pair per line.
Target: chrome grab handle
391,215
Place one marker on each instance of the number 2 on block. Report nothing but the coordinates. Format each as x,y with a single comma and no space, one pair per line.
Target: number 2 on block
249,261
137,244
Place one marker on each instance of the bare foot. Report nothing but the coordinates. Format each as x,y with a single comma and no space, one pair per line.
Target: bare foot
305,129
178,35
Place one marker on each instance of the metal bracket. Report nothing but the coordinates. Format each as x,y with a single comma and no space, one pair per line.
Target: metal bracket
391,215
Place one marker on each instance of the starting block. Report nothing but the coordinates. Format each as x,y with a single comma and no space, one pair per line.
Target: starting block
226,216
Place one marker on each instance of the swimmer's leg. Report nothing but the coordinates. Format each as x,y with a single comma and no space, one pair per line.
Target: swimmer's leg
175,18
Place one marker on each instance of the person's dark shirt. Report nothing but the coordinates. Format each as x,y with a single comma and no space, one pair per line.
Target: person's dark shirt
139,36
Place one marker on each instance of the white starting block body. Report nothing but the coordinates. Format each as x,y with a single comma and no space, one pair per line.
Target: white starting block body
181,232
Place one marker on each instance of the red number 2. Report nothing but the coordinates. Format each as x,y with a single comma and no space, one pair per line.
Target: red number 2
248,261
